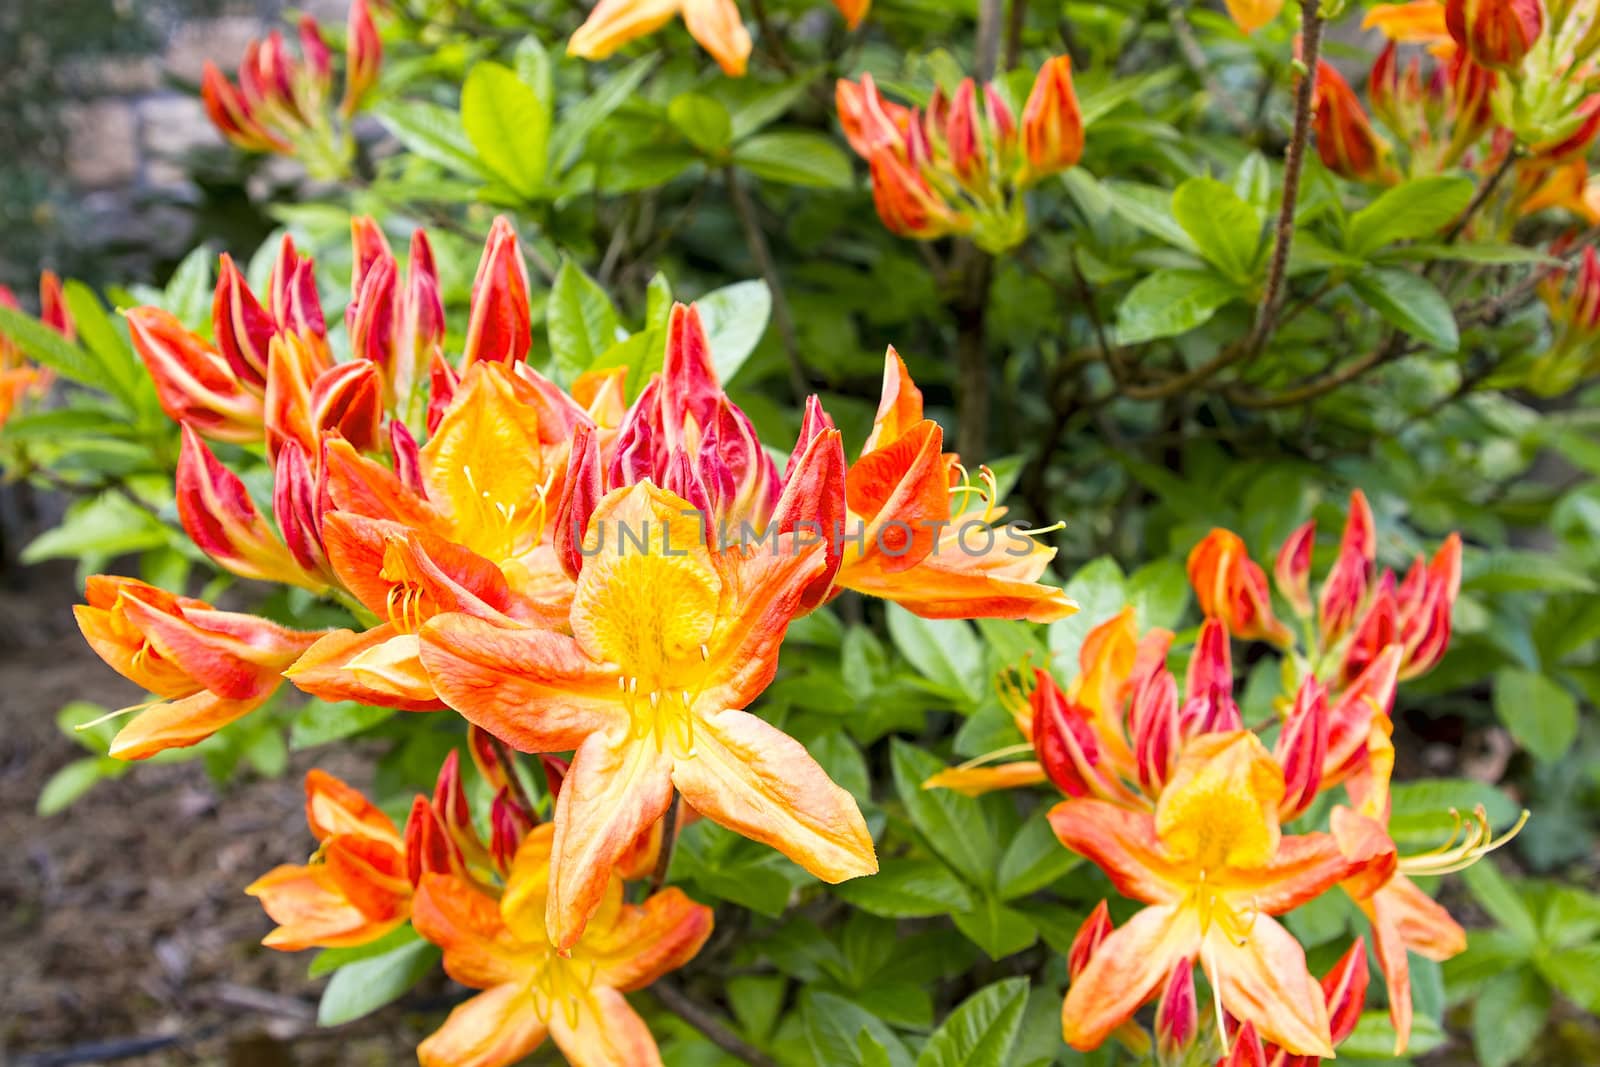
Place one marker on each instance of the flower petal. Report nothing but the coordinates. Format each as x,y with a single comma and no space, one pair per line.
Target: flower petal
380,666
599,1029
1264,980
533,689
1304,867
311,912
178,724
465,922
492,1029
758,781
649,939
616,787
1123,844
1125,971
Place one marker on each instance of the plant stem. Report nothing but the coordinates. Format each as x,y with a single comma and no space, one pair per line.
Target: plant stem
991,13
756,241
972,275
1293,163
669,841
681,1005
1482,195
1195,57
1015,24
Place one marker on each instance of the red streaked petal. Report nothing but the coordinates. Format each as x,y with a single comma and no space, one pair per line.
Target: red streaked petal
1122,843
1124,972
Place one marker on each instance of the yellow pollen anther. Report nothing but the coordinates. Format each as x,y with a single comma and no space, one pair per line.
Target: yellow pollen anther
1471,840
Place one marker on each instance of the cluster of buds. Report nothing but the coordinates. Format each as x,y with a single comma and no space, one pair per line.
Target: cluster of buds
286,105
1572,299
19,378
1346,140
960,165
714,24
1184,806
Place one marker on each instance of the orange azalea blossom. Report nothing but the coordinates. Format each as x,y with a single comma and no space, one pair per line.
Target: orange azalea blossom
359,883
714,24
354,890
1251,15
1404,918
1418,22
910,539
209,667
1213,866
533,986
669,638
1233,588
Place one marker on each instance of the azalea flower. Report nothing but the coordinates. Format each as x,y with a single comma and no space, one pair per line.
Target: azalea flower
714,24
1213,867
207,667
535,988
907,538
669,640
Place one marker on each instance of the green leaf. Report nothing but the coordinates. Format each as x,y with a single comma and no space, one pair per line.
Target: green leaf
1507,570
433,132
796,157
571,134
641,353
834,1025
1034,859
1148,208
735,316
581,321
1540,714
1419,208
363,987
72,781
1098,590
1159,592
954,826
907,889
121,372
1169,302
189,290
704,122
43,345
100,528
1501,900
1420,811
1409,302
944,650
1225,228
320,722
999,930
757,1001
1373,1038
329,960
981,1031
1576,972
1508,1016
508,124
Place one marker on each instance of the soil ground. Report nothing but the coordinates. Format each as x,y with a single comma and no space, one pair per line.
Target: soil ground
123,925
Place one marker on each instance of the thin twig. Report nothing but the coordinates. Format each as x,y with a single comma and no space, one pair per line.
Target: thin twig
1015,24
669,841
1481,196
681,1005
770,38
1293,162
1195,57
991,13
745,209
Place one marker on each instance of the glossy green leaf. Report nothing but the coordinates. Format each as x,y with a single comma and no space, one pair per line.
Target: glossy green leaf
1170,302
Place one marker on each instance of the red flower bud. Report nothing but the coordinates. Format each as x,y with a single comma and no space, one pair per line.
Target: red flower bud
194,382
1095,929
1346,141
1345,989
53,306
1066,744
241,326
347,399
1498,34
429,847
363,57
870,122
217,513
298,502
580,494
509,823
499,329
1302,748
1177,1013
962,136
1345,587
1208,704
1293,569
1232,588
1052,124
1245,1050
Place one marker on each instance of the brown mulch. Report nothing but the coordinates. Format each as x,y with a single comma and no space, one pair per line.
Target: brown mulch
123,925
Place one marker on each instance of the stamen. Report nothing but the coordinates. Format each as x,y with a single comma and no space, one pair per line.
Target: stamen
108,716
1476,843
